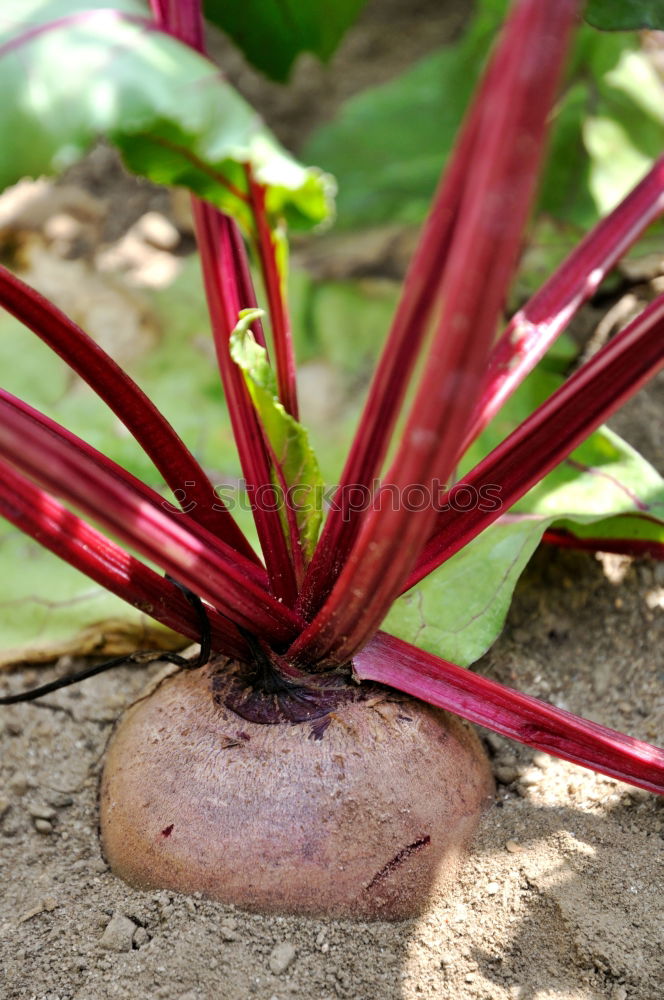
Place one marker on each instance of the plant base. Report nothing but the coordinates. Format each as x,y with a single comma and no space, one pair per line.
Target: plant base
354,814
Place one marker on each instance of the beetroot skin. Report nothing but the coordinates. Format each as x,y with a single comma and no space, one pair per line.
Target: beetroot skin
354,813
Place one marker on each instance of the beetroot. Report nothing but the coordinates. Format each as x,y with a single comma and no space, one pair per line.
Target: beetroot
356,812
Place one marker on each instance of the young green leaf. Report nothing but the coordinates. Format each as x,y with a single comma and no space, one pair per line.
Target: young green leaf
71,70
295,466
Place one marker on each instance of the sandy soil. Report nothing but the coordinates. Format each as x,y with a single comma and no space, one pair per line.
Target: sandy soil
561,897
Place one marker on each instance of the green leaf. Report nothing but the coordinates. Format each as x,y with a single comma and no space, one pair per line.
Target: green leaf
296,468
636,76
271,33
565,196
459,610
46,608
625,15
170,112
625,136
604,490
604,475
350,319
387,145
176,369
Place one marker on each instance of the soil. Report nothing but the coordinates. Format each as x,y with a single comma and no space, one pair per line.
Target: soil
561,897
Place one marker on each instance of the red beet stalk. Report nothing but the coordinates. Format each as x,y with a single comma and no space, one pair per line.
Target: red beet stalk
105,492
510,713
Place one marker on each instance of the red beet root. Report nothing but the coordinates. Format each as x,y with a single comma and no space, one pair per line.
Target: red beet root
355,812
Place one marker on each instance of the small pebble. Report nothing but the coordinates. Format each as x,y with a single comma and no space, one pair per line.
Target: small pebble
619,993
99,866
492,888
227,930
4,806
506,774
20,784
513,847
119,934
497,743
43,826
61,801
506,760
156,229
63,227
282,957
141,937
40,811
